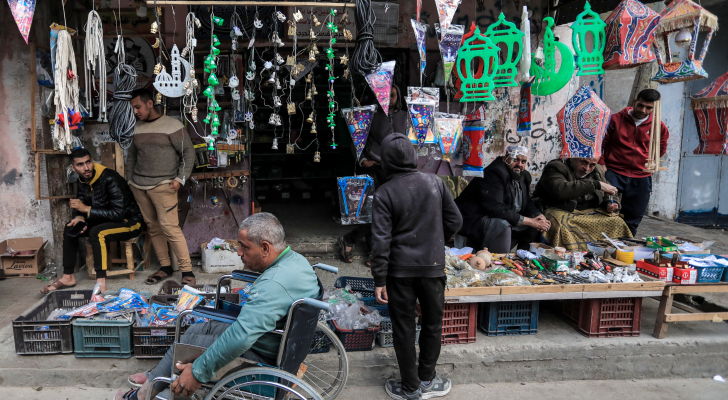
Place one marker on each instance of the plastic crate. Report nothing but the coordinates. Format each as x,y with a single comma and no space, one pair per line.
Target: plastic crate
101,338
172,287
371,302
710,274
356,339
507,318
569,309
610,317
458,323
35,335
321,343
365,286
385,335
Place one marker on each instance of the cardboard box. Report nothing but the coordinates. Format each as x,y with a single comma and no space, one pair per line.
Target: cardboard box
685,276
220,261
552,261
540,249
664,274
29,260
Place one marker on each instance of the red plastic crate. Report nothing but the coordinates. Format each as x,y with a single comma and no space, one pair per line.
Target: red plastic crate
356,339
459,323
610,317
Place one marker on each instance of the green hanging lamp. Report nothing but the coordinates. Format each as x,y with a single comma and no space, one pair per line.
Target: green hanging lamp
511,37
212,80
219,21
589,56
215,50
215,121
549,80
477,88
209,92
215,40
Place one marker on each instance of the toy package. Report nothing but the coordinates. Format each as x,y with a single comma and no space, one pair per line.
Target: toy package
355,199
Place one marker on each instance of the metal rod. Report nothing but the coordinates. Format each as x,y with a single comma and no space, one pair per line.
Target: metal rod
250,3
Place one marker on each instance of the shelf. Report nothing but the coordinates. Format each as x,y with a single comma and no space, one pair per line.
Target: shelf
290,179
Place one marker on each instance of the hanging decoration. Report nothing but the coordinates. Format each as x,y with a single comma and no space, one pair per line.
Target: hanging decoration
446,11
588,23
420,31
473,150
710,107
506,33
332,105
359,119
549,79
631,29
380,80
423,93
355,194
478,64
525,64
419,9
523,127
421,113
449,40
448,130
686,17
174,85
477,88
95,61
66,93
583,123
23,11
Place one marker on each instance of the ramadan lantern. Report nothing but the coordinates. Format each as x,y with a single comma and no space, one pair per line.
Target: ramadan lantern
589,56
686,19
477,47
549,79
507,34
583,122
710,107
631,31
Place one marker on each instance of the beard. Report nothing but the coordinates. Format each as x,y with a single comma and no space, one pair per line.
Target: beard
515,175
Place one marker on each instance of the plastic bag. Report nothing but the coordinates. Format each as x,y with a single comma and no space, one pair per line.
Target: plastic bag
187,299
505,278
49,272
128,300
356,194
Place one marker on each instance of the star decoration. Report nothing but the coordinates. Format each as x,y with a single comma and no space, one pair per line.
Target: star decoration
344,59
330,53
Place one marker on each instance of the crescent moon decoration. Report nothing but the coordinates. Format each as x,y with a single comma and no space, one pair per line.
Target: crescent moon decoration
173,85
548,79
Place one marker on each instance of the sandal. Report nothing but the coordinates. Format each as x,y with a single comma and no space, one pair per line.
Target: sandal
125,395
346,255
368,262
189,280
157,277
55,286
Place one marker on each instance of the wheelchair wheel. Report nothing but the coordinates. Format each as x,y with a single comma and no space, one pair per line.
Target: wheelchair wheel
261,384
327,366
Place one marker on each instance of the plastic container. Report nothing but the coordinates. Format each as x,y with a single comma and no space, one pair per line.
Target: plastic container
618,317
102,339
384,336
356,339
709,274
365,286
458,323
35,335
508,318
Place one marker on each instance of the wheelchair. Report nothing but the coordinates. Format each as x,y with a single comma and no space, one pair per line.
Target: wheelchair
304,368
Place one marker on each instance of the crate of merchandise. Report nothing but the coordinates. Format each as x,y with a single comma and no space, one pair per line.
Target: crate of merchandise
172,287
506,318
618,317
169,299
356,339
365,286
34,334
710,274
102,338
458,323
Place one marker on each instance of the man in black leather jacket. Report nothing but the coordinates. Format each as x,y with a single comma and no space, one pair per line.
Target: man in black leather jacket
106,208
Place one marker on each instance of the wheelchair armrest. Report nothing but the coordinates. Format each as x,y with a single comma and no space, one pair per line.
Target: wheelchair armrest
229,314
245,276
327,268
159,379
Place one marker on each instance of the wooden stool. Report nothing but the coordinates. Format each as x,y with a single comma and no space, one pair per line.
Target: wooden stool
129,261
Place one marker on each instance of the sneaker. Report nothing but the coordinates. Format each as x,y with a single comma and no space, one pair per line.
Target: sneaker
437,387
137,380
394,390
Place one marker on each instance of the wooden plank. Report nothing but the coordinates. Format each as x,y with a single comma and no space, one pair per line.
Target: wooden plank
605,287
473,291
107,155
37,176
119,159
542,296
696,317
615,294
33,84
539,289
701,288
251,3
474,299
665,306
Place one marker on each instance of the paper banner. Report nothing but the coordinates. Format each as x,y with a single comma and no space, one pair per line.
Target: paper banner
477,115
448,130
421,114
23,13
446,10
449,40
380,80
359,120
524,111
525,63
420,36
473,150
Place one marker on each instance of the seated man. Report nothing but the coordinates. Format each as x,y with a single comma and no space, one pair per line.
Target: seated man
579,202
286,276
496,209
105,203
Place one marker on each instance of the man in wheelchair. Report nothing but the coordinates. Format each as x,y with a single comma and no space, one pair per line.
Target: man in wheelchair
285,277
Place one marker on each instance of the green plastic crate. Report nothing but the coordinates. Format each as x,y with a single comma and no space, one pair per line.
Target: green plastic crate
102,339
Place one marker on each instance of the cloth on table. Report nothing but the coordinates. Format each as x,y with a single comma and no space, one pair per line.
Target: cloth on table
573,230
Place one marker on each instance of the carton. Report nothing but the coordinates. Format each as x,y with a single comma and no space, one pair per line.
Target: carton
552,262
685,276
662,273
29,260
220,261
540,249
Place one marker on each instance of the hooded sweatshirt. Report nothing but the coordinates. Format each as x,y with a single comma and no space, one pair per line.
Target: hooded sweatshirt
413,216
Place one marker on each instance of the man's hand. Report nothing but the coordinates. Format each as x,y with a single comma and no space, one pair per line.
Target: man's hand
75,221
175,185
185,384
76,204
540,223
612,207
608,189
368,163
381,294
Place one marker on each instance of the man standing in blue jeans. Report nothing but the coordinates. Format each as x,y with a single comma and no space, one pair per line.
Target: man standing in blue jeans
626,147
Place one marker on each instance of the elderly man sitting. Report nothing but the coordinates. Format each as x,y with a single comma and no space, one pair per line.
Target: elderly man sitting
579,202
285,277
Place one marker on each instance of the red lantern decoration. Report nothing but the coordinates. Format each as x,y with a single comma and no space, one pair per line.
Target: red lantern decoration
710,107
631,31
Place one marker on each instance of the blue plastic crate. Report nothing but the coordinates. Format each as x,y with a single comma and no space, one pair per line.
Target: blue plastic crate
508,318
365,286
711,274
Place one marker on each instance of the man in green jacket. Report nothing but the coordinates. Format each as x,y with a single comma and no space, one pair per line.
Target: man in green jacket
286,276
579,202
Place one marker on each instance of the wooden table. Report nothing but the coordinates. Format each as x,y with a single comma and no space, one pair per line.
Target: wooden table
665,315
554,292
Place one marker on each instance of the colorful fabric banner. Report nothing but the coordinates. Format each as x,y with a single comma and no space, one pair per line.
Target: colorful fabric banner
359,119
420,36
23,11
449,39
524,110
473,150
448,130
421,114
710,107
380,80
446,10
583,123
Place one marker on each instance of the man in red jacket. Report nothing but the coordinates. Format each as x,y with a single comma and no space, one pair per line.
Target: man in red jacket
626,147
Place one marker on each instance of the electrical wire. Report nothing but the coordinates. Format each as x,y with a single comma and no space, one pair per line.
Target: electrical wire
66,88
121,115
94,55
366,57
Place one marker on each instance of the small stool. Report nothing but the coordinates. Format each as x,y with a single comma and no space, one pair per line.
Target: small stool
129,261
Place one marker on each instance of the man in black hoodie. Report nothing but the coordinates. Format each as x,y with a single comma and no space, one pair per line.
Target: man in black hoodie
413,216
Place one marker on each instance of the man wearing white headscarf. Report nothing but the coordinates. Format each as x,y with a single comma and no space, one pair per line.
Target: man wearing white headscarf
497,210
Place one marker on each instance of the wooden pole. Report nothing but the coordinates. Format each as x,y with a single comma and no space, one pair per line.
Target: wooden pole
250,3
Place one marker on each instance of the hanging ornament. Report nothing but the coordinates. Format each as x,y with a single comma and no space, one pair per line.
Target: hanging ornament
477,66
445,10
344,60
215,41
359,119
212,80
421,113
588,23
710,107
631,29
154,28
448,130
477,88
23,11
317,157
449,40
156,46
549,80
419,9
217,20
380,80
316,21
525,63
583,123
420,31
506,33
523,127
473,149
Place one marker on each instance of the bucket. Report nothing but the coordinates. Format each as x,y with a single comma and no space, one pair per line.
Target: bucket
626,257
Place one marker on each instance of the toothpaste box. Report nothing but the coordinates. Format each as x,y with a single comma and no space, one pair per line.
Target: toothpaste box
664,274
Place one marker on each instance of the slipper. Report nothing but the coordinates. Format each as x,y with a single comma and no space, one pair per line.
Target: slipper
137,380
346,255
55,286
156,278
123,394
189,280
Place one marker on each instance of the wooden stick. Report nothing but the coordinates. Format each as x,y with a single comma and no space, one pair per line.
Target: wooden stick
250,3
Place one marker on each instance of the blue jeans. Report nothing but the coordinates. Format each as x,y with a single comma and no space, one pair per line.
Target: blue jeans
635,197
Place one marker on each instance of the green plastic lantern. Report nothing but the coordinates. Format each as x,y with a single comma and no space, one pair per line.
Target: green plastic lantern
212,65
215,40
589,24
477,88
207,119
215,121
549,80
212,145
215,106
209,92
511,37
219,21
214,130
212,80
215,50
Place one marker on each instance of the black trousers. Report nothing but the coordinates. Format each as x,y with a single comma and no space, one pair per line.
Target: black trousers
635,197
403,295
98,235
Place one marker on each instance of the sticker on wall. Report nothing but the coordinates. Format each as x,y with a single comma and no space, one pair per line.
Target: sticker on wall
359,120
380,80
